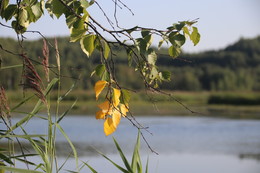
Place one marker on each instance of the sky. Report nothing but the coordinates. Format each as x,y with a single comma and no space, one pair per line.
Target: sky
221,22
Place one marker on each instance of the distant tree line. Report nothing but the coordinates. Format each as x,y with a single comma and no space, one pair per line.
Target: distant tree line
237,67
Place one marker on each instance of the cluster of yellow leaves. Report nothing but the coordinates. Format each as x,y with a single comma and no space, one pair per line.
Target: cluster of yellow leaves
111,111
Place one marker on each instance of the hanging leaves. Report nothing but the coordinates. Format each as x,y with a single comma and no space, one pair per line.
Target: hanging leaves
111,111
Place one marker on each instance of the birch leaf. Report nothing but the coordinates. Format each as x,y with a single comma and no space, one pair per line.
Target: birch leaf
100,115
105,107
116,117
99,86
109,126
123,109
116,96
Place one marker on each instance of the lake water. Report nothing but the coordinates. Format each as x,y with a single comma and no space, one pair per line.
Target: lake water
184,144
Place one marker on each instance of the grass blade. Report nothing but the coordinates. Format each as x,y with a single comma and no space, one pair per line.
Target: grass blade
70,143
127,165
116,165
66,112
146,167
11,169
6,159
21,103
22,136
92,169
136,156
71,88
64,163
11,66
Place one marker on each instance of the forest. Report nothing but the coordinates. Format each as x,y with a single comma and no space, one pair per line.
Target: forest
234,68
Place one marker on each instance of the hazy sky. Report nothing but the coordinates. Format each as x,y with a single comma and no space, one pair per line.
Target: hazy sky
221,22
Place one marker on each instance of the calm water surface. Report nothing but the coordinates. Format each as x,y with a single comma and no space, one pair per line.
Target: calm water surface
184,144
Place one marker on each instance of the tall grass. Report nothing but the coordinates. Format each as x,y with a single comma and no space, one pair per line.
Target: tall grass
44,145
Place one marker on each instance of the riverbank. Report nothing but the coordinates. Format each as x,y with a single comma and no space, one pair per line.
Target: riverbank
240,105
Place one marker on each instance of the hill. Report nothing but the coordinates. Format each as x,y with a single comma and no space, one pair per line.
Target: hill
236,68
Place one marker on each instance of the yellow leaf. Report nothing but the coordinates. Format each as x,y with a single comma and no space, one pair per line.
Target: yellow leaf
109,126
116,117
100,115
105,107
124,109
116,96
99,86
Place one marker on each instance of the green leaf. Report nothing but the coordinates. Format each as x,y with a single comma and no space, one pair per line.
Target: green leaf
91,2
154,73
106,49
152,57
42,6
105,76
3,5
177,39
129,53
180,25
160,44
36,9
10,11
100,69
80,23
87,44
186,31
125,96
174,51
77,27
165,75
58,8
84,3
23,18
195,36
70,20
145,33
148,39
142,45
76,34
101,72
